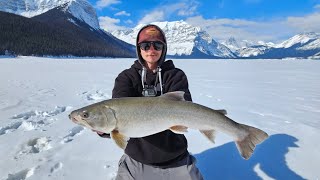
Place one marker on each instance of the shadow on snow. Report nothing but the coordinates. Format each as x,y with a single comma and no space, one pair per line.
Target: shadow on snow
225,162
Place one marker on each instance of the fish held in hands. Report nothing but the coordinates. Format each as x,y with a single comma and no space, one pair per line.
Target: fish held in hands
143,116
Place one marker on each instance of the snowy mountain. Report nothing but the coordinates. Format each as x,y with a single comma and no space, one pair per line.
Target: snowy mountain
80,9
246,48
183,40
57,33
252,51
302,45
316,56
235,45
269,44
303,39
232,44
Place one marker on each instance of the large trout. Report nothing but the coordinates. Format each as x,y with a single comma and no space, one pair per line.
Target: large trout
143,116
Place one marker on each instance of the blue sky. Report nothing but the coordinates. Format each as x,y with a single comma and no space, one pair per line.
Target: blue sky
267,20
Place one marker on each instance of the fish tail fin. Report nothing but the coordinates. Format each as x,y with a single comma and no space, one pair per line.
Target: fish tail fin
248,143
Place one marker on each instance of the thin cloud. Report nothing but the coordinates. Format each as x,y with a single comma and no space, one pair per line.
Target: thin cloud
160,13
105,3
128,21
186,8
317,6
110,24
122,13
222,29
152,17
305,24
273,30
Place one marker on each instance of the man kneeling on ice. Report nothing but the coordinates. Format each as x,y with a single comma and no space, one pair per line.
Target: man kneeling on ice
163,155
157,148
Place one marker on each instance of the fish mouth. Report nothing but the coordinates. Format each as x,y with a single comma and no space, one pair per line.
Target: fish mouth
78,120
73,119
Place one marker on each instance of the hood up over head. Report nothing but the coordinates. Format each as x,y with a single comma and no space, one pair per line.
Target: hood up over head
151,33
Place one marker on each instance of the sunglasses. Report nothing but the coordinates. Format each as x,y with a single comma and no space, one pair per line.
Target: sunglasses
157,45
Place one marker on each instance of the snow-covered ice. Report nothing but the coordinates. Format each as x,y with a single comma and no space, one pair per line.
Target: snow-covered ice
38,141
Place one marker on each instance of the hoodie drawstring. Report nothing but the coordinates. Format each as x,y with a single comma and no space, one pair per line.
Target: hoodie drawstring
158,78
143,76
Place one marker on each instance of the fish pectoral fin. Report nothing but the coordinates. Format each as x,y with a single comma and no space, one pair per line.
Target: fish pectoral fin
175,96
119,139
210,134
179,129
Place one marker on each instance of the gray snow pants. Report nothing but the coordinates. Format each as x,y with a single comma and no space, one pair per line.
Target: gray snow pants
130,169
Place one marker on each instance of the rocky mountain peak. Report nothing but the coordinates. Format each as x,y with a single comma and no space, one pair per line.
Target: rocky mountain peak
80,9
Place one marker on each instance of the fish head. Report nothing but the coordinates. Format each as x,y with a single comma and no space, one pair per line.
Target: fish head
96,117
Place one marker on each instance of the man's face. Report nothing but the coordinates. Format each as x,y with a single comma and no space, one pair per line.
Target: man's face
151,54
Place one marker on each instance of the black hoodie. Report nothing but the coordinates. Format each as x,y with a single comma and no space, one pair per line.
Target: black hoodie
166,147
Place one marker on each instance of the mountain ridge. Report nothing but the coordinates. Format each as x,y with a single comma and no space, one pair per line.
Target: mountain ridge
303,45
186,41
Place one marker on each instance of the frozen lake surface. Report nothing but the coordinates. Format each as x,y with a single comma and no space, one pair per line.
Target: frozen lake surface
38,141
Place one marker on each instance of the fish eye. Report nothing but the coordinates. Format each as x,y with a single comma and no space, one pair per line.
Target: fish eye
85,114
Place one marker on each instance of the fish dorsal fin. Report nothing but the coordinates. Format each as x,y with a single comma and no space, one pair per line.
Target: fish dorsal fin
175,96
